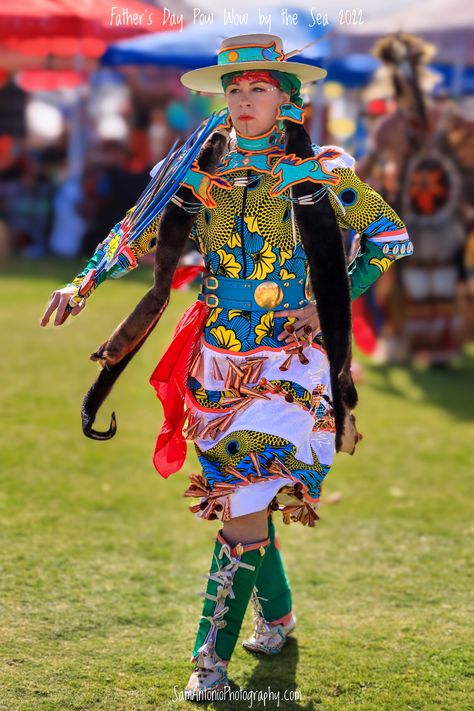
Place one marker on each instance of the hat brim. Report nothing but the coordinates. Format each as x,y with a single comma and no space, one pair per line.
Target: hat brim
208,79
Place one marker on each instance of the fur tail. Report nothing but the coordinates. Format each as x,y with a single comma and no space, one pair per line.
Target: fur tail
100,390
324,249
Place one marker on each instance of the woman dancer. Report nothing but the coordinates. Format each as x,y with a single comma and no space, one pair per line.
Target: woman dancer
261,361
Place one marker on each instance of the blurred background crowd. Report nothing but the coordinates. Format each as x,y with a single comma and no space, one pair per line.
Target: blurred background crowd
87,107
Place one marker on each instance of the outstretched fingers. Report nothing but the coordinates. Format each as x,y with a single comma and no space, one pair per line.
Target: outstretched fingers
59,302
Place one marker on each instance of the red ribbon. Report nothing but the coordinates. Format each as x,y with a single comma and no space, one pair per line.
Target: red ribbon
363,327
169,380
185,274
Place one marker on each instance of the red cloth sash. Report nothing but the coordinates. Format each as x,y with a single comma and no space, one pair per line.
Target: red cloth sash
169,381
363,327
185,274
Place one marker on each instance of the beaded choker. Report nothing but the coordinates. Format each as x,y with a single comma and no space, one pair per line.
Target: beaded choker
260,144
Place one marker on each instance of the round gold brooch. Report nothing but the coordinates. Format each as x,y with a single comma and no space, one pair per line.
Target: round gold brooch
268,295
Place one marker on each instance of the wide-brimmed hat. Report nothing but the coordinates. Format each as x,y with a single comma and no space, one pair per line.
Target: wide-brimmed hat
249,52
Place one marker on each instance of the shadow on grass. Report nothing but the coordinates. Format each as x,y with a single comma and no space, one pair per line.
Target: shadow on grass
271,685
277,674
447,389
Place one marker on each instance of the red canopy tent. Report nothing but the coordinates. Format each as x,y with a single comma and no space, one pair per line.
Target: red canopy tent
37,17
76,29
68,27
67,32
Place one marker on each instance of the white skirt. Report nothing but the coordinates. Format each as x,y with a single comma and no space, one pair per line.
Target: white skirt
264,436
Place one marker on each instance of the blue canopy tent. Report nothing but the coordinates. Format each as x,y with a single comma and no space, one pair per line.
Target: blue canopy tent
197,46
343,51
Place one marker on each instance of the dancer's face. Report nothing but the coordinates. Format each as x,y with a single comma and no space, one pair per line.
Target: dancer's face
253,105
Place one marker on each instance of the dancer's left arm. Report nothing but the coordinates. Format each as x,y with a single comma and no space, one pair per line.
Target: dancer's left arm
384,238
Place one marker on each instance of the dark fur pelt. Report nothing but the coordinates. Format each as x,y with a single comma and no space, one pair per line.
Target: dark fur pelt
324,249
115,354
100,390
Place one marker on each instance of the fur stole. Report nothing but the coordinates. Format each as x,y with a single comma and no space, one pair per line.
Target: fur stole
323,244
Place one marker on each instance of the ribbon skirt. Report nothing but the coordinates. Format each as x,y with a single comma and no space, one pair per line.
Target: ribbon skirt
260,420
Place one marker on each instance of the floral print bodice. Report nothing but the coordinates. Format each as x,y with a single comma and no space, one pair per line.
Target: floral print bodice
250,234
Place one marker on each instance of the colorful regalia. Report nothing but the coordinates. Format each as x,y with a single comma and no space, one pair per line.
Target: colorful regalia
259,410
264,415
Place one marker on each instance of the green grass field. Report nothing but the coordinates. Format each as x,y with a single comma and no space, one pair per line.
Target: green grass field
101,559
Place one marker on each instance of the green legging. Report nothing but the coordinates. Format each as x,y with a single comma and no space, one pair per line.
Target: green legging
266,573
272,582
234,570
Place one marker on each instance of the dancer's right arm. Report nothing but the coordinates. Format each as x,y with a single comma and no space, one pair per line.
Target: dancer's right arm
71,299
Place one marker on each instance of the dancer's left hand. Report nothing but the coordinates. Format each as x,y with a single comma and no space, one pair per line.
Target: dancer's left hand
308,315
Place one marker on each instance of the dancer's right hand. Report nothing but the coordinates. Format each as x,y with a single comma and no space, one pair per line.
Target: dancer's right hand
59,302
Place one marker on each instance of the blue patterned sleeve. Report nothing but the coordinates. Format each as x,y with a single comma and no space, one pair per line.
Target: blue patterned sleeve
384,238
98,270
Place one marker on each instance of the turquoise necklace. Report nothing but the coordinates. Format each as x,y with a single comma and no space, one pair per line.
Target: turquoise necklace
261,144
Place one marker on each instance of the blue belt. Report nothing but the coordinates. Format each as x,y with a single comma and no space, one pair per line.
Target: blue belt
253,294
